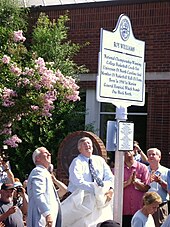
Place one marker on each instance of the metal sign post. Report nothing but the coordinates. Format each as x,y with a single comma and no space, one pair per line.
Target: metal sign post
120,81
121,115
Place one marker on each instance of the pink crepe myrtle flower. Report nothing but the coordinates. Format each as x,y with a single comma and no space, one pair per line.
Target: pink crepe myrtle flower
28,71
6,59
18,36
40,62
6,131
48,79
7,96
16,70
13,141
48,100
33,107
74,96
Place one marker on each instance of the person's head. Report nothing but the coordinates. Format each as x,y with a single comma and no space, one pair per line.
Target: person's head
154,155
108,223
129,156
41,156
85,146
7,193
151,201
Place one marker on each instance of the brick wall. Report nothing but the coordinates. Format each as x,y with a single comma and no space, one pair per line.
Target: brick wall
158,119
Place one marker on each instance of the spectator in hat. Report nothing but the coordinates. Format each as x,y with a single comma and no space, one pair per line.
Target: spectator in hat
10,214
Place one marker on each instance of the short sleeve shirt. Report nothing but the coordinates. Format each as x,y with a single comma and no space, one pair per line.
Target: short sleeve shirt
140,220
132,198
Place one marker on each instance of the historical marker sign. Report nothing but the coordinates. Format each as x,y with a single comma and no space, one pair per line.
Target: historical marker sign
121,73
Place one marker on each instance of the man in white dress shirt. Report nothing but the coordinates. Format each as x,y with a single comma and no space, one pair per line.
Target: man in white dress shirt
91,200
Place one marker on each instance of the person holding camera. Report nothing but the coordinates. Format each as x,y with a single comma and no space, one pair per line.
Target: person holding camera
10,213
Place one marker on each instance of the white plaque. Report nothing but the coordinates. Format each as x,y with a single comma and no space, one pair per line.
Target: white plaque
125,136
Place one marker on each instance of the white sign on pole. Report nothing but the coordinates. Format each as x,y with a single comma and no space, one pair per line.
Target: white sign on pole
125,136
121,69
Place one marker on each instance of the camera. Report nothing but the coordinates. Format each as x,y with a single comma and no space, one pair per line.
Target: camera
19,189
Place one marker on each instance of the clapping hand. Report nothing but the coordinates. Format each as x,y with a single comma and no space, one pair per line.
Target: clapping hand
155,177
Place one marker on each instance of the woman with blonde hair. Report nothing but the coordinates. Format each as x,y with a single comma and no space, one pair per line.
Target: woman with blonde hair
143,217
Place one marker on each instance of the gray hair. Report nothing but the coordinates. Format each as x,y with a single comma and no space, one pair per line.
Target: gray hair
82,140
35,154
158,152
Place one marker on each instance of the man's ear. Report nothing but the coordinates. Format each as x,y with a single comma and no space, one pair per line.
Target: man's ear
37,158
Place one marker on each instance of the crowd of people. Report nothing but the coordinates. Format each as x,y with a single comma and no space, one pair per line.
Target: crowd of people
88,198
146,190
